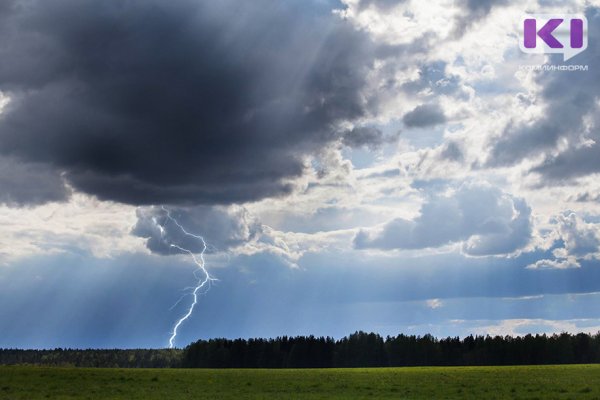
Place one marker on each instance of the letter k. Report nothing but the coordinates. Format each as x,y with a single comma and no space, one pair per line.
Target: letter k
545,33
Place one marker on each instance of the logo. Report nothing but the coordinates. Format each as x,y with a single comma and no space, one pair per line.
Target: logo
554,33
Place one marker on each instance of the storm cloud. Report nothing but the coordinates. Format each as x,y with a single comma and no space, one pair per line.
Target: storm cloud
29,184
180,102
227,227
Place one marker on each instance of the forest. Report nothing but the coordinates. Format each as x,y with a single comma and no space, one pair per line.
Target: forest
359,349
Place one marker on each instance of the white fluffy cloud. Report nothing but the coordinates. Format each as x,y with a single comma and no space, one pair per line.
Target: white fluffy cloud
573,240
83,225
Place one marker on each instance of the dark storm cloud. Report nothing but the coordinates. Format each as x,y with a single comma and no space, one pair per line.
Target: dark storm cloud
5,7
179,102
223,228
570,99
29,184
485,220
424,115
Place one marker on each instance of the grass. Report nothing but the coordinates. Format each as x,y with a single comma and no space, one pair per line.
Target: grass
523,382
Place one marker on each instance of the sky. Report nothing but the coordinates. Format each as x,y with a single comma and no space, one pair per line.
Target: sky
387,166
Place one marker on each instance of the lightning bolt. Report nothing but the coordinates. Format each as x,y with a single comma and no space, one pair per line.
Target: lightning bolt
204,281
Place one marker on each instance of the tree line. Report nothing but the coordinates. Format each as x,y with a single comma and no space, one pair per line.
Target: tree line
371,350
359,349
111,358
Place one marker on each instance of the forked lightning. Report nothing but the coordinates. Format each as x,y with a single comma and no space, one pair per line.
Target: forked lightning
203,282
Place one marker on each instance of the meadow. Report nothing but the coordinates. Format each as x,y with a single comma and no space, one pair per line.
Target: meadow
518,382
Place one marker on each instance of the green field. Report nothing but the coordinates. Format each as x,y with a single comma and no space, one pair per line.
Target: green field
529,382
